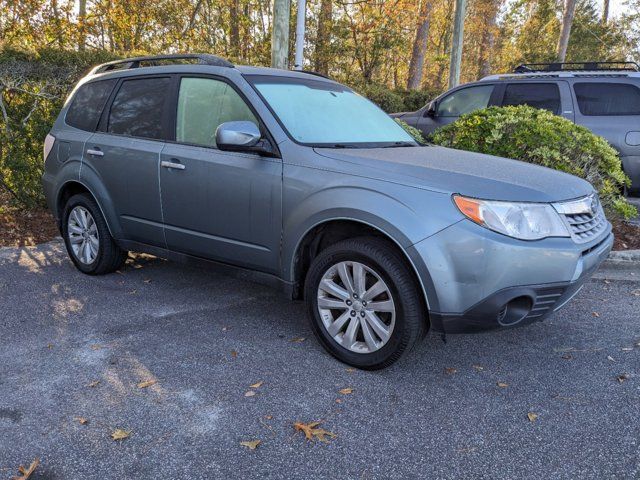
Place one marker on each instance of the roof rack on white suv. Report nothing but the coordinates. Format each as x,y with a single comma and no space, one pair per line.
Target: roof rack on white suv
621,66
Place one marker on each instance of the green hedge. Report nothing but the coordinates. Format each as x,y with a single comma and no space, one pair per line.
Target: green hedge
538,136
33,86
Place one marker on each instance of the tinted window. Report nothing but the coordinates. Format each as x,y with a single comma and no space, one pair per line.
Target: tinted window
203,105
537,95
608,98
88,103
138,108
465,101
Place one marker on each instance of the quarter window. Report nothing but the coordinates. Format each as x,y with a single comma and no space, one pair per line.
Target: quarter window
88,103
465,100
607,98
138,108
203,105
537,95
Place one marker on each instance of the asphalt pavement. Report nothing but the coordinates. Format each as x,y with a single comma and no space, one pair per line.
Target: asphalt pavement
74,350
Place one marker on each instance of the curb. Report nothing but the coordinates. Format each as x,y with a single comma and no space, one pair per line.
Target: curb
623,259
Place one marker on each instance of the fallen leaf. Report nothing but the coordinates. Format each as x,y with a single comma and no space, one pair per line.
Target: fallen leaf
532,416
478,367
351,370
622,377
502,384
93,384
252,445
25,473
636,293
567,356
610,358
310,431
82,420
595,314
147,280
234,354
346,391
298,340
133,292
338,400
49,345
627,349
250,393
450,370
268,417
147,383
257,385
96,347
119,434
607,282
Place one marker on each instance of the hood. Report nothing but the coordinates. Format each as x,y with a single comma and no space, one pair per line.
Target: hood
455,171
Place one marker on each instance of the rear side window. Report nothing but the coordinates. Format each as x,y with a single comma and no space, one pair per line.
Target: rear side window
87,104
607,98
138,108
204,104
545,96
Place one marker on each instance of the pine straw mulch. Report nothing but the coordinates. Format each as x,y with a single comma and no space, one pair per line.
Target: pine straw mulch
20,227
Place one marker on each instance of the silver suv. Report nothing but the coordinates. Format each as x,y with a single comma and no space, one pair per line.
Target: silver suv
305,184
602,96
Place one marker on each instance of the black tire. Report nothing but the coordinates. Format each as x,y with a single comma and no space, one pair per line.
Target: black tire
110,257
411,321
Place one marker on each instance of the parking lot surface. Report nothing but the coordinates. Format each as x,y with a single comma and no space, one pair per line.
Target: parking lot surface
559,399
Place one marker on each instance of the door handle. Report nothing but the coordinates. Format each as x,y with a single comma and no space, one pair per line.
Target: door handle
95,152
175,165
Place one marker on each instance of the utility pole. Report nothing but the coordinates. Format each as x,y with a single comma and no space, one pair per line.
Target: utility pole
280,34
300,18
456,43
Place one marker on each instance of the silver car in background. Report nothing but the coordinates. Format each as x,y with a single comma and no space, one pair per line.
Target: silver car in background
305,184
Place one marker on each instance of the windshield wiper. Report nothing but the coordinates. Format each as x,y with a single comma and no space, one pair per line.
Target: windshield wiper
401,144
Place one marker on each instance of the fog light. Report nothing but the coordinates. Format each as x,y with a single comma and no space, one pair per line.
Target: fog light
515,311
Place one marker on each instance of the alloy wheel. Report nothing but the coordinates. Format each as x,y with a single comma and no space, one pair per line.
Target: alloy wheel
356,307
83,235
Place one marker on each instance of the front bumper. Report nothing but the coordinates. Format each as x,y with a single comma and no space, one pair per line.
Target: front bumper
479,280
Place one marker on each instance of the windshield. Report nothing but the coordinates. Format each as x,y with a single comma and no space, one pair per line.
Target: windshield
325,114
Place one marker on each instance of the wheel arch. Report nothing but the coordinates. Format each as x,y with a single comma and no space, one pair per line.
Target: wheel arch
328,231
74,187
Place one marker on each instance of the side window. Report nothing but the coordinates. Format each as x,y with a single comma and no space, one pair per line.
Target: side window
87,104
204,104
465,100
538,95
138,108
607,98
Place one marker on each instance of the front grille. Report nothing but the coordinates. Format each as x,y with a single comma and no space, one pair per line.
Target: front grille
584,217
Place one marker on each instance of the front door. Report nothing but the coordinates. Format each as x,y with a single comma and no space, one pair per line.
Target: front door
224,206
125,154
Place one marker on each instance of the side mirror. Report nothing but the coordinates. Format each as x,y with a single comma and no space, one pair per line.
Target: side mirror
242,136
431,110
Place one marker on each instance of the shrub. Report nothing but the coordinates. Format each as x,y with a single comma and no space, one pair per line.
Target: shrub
538,136
415,99
33,86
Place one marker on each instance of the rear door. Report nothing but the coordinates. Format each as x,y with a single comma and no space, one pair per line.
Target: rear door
125,154
224,206
450,106
552,96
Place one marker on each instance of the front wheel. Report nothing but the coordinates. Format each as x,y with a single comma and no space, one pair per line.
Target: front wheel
364,303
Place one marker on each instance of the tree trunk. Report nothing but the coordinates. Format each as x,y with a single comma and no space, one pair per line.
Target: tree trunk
605,12
456,43
416,64
82,28
567,21
488,41
234,29
321,53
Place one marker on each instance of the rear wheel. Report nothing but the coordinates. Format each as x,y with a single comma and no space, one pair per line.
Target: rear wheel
87,238
364,303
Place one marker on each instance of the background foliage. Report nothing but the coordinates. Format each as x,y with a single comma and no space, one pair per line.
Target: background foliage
538,136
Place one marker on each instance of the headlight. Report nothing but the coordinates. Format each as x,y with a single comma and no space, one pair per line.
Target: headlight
526,221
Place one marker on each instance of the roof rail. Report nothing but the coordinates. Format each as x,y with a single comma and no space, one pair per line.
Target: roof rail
127,63
622,66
